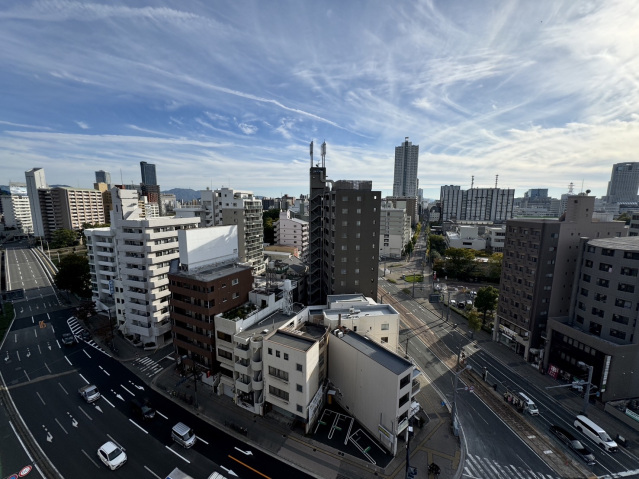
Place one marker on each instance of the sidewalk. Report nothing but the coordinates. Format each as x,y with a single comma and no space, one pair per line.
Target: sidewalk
272,434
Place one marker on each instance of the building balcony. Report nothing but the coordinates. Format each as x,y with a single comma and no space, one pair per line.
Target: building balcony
193,347
258,384
149,235
257,364
132,283
242,367
130,236
242,386
416,387
129,248
242,353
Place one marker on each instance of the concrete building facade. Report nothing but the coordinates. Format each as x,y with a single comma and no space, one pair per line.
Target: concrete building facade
600,330
35,180
539,264
16,208
624,183
290,231
394,230
493,205
406,165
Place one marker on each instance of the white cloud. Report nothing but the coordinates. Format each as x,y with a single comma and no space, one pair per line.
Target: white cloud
82,125
247,129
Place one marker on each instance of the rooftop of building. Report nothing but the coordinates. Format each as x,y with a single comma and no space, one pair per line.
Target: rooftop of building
376,352
271,322
359,311
626,243
300,339
211,272
337,298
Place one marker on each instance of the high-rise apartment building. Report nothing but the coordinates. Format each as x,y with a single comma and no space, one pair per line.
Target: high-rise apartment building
344,237
102,176
17,209
35,180
148,173
540,262
138,253
601,329
406,162
624,183
494,205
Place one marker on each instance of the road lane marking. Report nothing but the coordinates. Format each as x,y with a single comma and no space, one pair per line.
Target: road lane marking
249,467
112,405
85,352
158,412
90,458
40,397
178,455
25,373
200,439
151,472
138,426
61,426
83,378
132,394
47,366
104,371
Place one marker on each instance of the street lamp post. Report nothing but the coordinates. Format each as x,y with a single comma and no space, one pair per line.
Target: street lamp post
583,365
454,412
108,311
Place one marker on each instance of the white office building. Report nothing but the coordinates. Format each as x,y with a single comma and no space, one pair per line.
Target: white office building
17,209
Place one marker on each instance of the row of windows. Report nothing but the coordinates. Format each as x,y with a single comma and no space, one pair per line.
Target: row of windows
604,283
611,252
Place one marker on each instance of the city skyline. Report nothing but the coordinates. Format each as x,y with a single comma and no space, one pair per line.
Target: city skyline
542,95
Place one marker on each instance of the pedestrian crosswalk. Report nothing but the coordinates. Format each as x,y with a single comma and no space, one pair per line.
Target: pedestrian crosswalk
476,467
148,366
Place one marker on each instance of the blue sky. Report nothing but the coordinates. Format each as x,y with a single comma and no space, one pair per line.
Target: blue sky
541,93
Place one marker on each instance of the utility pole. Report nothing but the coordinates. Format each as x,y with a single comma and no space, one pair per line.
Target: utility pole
454,412
448,312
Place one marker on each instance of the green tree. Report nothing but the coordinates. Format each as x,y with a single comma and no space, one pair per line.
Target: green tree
474,322
74,276
85,310
269,218
494,266
460,262
437,243
625,217
486,300
63,238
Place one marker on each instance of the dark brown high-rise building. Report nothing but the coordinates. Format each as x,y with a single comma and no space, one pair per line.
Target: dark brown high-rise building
539,265
344,236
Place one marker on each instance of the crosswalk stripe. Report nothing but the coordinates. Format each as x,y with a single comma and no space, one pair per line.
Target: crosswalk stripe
476,467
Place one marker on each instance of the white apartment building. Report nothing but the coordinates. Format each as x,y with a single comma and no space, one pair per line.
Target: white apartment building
17,210
466,237
290,231
394,230
144,248
495,238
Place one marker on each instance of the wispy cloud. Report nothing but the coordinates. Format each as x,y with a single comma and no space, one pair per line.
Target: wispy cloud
539,93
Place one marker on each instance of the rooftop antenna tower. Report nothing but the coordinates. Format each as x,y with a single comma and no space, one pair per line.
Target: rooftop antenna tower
472,182
310,147
582,186
324,154
121,180
496,180
571,188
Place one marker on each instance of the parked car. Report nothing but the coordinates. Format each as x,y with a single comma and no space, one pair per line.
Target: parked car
452,302
112,455
568,439
68,339
85,335
89,393
461,305
469,303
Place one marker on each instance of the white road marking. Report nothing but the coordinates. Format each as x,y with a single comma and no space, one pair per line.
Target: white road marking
138,426
178,455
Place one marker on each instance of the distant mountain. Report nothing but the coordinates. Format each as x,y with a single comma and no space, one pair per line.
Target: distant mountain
184,194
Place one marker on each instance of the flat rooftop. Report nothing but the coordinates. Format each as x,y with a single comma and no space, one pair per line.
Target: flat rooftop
364,310
626,243
271,322
290,339
206,274
376,352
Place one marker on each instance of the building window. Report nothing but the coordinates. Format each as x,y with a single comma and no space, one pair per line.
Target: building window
580,319
622,303
617,334
285,356
278,393
607,252
298,366
588,263
358,223
583,292
278,373
344,247
224,354
626,288
608,267
595,328
630,255
629,271
235,295
617,318
385,326
300,408
586,278
344,223
277,354
234,282
270,351
344,211
384,339
603,282
300,388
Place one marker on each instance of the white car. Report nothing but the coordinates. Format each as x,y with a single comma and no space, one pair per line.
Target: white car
112,455
452,302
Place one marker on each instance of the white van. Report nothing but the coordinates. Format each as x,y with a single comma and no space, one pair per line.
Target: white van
594,432
529,405
183,435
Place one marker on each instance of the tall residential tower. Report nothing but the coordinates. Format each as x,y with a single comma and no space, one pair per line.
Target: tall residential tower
405,179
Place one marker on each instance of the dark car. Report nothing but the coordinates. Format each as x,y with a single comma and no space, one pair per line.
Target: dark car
68,339
85,335
142,408
570,440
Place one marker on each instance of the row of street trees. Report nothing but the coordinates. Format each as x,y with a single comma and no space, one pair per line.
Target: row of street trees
463,264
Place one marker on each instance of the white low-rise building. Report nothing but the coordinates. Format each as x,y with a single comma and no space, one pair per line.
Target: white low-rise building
394,230
466,237
291,231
